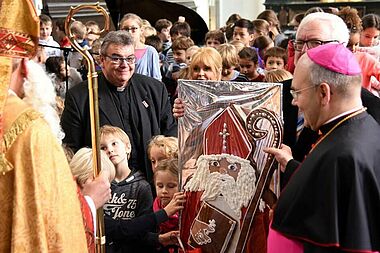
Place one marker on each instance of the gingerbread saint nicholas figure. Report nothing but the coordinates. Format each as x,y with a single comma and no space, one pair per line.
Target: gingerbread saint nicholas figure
220,190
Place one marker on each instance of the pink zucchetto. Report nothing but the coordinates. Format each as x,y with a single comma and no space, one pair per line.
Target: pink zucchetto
335,57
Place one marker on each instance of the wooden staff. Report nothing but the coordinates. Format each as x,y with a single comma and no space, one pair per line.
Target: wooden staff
94,106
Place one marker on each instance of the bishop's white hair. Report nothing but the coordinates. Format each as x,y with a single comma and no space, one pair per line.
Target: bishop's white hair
334,24
40,94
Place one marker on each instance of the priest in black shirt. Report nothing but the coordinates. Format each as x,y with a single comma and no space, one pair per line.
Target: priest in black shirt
137,104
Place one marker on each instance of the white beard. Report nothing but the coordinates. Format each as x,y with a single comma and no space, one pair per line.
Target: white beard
233,193
40,94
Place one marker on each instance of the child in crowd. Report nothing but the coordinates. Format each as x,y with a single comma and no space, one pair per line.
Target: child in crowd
82,170
79,31
214,39
166,183
369,35
155,42
163,32
238,45
55,67
275,58
277,75
274,26
248,61
189,53
261,27
149,31
51,46
92,33
184,72
171,71
179,47
263,43
131,193
178,29
61,34
162,147
243,31
230,60
147,59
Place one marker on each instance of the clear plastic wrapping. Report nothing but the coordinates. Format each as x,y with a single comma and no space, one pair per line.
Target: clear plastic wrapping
225,128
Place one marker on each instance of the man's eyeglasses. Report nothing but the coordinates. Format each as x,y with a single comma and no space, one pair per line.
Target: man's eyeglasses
295,93
299,44
130,29
119,60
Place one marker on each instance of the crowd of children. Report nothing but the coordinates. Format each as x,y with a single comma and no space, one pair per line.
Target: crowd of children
142,216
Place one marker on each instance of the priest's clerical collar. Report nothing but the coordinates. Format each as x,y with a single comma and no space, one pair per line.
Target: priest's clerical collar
333,121
120,88
116,88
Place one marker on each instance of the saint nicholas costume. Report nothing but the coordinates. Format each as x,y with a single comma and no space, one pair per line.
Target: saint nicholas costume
40,210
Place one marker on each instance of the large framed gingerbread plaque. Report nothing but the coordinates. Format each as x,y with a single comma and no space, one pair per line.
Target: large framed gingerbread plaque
228,179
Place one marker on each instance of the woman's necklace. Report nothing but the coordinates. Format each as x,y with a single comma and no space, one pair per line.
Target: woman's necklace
338,124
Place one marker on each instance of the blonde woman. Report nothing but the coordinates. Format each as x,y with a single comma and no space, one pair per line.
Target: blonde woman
147,59
206,64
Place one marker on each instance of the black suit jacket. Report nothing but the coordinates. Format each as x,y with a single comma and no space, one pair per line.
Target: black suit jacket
150,115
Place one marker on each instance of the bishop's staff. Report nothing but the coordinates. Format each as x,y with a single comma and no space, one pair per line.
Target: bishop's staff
94,107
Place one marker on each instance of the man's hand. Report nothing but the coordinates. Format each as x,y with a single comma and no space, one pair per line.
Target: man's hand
169,238
178,108
98,190
283,155
175,204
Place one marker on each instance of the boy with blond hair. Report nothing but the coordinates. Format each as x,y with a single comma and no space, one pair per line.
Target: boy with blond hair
131,194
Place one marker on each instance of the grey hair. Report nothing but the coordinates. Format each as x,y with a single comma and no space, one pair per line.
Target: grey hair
338,29
342,83
120,37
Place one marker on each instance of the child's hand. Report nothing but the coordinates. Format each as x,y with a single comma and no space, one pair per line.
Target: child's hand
169,238
175,204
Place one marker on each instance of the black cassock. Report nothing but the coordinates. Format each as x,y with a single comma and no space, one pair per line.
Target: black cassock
332,200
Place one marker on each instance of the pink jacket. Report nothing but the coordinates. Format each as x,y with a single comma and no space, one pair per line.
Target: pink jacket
370,67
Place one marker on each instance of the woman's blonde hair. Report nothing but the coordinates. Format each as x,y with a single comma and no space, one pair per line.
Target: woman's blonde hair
81,165
169,145
210,57
170,165
277,75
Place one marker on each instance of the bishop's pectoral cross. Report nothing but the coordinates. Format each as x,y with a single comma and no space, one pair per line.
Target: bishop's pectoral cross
224,135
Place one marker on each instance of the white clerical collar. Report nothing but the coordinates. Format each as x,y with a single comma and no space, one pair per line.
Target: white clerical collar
120,89
343,114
